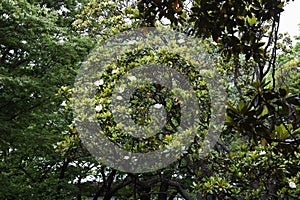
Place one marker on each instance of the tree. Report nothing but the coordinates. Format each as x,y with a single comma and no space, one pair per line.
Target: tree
257,155
38,54
260,111
288,73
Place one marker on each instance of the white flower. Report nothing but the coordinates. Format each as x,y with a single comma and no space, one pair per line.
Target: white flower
114,71
126,157
62,10
132,78
180,41
6,16
99,82
292,184
61,41
131,42
64,104
119,97
98,108
157,106
121,90
262,153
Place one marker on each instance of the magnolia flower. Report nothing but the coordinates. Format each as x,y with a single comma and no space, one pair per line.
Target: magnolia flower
114,71
121,90
157,106
262,153
6,16
180,41
132,78
99,82
131,42
64,104
292,184
98,108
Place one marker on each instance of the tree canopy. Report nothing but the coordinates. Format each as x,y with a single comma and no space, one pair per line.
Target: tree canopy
42,46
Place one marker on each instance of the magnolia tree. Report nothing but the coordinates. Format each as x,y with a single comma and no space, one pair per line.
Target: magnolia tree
258,149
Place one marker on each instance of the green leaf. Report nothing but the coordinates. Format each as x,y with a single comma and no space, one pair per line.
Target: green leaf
265,111
296,132
251,21
281,131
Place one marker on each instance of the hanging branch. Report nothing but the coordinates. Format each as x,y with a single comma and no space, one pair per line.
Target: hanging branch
273,38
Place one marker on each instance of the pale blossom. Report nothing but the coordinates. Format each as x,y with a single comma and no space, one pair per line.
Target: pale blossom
132,78
262,153
99,82
131,42
6,16
114,71
292,184
119,97
98,108
180,41
64,104
157,106
121,90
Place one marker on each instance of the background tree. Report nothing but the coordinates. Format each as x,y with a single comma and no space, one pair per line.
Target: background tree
39,54
288,73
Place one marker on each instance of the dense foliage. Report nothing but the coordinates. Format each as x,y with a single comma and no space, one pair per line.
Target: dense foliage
42,45
39,55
